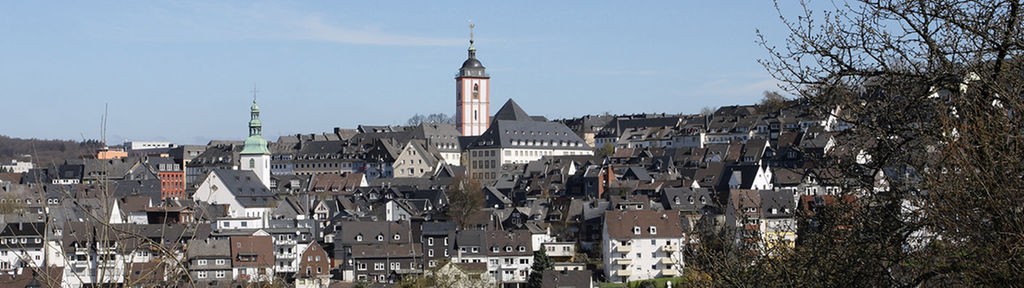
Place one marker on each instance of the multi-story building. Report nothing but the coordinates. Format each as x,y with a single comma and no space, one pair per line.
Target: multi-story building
209,262
252,258
641,244
517,138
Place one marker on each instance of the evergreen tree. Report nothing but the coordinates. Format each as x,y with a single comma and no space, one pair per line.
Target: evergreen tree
541,262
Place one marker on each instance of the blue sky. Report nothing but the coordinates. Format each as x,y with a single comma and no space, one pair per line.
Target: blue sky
183,71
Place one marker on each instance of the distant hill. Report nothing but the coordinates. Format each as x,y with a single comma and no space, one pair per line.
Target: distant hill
44,152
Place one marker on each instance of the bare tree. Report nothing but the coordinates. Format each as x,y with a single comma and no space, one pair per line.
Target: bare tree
932,91
465,200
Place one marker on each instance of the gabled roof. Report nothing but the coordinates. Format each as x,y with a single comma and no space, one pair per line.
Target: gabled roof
247,188
511,111
259,248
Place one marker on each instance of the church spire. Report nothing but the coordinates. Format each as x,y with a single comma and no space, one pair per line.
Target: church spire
472,49
255,126
255,144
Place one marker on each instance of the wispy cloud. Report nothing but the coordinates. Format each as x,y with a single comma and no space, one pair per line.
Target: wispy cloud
316,29
739,87
622,72
215,21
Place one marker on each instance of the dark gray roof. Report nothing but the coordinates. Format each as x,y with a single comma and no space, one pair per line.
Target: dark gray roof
247,188
529,134
566,278
511,111
781,202
438,228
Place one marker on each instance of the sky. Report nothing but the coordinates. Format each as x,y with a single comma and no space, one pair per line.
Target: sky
184,71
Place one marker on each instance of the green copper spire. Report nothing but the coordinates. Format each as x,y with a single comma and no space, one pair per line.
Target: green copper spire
255,144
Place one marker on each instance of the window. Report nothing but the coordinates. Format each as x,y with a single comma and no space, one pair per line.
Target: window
359,237
202,275
378,266
220,274
522,248
430,241
636,230
361,266
380,237
430,253
201,262
397,237
220,261
654,230
252,163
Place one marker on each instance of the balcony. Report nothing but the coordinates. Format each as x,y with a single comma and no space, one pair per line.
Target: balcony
285,255
669,272
623,272
670,248
288,242
623,261
666,261
623,249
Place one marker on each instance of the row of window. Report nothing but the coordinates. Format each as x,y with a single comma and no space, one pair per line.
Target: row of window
204,262
218,274
21,240
380,237
379,266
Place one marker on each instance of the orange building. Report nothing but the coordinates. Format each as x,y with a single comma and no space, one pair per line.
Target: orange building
107,154
172,184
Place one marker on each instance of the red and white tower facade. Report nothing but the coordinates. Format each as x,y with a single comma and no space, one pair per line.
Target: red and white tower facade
472,95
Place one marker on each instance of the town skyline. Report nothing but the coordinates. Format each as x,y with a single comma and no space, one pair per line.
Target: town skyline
184,72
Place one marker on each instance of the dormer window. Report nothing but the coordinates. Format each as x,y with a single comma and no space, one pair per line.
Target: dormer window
636,230
359,237
397,237
508,248
380,237
494,249
653,230
522,248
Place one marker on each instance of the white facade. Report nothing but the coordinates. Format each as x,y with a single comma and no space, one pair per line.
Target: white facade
213,190
16,167
259,164
486,163
143,145
641,258
473,105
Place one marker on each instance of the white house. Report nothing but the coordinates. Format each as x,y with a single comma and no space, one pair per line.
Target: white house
241,190
641,244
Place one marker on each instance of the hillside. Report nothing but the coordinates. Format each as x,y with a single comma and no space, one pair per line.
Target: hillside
44,152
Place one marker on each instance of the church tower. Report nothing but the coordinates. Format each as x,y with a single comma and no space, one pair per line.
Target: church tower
255,156
472,94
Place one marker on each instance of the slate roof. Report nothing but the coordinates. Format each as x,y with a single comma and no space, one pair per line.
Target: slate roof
247,188
511,111
780,202
528,134
566,278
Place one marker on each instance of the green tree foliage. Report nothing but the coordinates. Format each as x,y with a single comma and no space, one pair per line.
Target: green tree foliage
541,262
